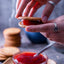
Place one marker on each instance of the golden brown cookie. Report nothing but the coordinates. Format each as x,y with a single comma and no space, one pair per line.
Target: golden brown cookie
11,31
21,25
13,40
2,58
30,18
8,61
9,42
12,37
12,44
9,51
51,61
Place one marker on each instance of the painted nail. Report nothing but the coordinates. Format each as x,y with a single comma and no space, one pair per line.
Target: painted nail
27,29
44,19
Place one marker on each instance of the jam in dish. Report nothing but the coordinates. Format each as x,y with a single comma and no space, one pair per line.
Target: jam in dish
29,58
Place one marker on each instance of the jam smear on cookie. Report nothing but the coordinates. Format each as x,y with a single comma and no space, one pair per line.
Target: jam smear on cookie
33,22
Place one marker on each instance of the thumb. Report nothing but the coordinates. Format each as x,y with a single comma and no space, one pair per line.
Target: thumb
47,12
17,4
48,27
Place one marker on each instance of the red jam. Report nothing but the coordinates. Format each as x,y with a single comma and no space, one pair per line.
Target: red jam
27,22
28,58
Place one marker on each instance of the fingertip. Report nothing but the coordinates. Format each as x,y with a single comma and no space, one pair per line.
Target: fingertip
44,19
16,16
47,12
31,12
27,28
17,4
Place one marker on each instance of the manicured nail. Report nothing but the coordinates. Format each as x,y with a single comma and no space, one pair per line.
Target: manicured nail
44,19
27,29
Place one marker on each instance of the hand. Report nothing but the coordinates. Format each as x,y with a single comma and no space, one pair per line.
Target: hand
29,7
48,29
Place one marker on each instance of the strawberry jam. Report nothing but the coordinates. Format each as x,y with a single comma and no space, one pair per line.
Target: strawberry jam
28,22
28,58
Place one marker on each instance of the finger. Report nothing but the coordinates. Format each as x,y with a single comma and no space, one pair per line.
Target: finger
28,7
49,27
51,21
34,8
44,34
59,40
17,4
56,35
21,8
47,12
57,20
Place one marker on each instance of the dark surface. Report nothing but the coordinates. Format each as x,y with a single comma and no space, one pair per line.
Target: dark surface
5,12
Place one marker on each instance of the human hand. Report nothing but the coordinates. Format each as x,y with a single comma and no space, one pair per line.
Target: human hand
29,7
48,29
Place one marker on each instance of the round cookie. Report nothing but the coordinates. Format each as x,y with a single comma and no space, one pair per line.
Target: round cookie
12,44
11,31
2,58
13,41
30,18
21,25
51,61
9,51
8,61
12,37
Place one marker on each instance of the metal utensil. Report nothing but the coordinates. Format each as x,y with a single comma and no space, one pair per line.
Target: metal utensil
44,49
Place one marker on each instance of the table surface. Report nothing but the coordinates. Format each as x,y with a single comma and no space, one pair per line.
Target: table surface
26,44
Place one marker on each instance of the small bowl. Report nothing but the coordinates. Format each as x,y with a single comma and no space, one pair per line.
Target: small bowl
16,61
